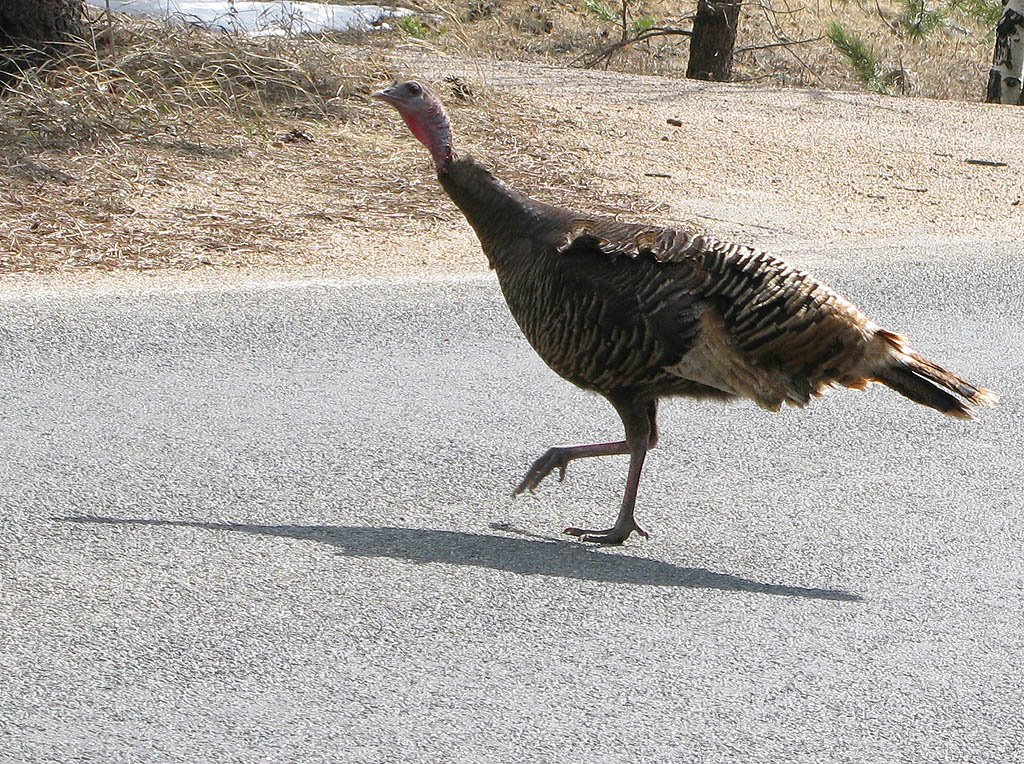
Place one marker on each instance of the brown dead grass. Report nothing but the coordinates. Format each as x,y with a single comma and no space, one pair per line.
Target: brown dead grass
179,148
100,152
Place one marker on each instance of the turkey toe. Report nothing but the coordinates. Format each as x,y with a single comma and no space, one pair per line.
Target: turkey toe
615,535
553,458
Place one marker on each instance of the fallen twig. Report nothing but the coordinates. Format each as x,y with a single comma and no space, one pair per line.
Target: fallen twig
605,54
781,44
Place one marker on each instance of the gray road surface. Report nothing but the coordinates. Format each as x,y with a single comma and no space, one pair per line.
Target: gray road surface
274,523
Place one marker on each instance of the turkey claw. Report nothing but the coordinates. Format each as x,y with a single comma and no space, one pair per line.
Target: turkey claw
615,535
553,458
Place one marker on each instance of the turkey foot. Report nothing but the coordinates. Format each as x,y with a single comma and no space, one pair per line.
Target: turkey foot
552,459
615,535
559,457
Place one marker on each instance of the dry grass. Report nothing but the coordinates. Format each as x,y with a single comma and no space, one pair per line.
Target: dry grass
947,64
99,151
177,81
180,148
175,147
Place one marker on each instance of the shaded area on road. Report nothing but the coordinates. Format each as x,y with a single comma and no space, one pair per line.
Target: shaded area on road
563,559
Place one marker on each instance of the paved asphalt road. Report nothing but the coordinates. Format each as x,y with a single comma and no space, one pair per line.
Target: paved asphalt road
274,523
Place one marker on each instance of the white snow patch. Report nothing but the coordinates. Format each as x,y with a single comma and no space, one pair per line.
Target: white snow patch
272,17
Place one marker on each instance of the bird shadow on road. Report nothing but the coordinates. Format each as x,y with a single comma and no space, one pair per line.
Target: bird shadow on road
526,556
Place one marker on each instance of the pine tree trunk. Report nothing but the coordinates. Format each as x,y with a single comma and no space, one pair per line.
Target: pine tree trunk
32,30
713,40
1004,78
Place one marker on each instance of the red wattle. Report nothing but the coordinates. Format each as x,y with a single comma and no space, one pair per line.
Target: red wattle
419,130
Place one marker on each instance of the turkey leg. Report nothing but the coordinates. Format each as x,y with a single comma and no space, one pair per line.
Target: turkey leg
559,457
640,422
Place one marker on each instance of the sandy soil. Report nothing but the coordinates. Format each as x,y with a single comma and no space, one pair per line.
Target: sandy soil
781,166
788,170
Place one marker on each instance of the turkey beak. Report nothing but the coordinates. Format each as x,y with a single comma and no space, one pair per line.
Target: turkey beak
387,95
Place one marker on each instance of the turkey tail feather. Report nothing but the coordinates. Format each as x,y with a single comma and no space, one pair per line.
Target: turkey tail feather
927,383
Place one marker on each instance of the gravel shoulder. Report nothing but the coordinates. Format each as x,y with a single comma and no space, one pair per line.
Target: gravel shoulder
790,170
808,173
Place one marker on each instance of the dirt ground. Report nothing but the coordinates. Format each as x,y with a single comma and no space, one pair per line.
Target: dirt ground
784,169
776,167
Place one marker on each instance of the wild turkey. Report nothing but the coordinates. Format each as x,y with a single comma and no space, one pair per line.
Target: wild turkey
639,313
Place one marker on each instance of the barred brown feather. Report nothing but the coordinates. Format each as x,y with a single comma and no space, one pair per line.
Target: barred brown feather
612,305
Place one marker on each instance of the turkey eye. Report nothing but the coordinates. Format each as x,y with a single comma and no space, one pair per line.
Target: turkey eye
415,89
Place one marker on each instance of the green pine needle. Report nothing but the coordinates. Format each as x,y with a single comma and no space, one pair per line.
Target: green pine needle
602,10
863,60
920,21
985,12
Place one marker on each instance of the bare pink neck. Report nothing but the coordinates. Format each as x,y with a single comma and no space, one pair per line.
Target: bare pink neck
433,130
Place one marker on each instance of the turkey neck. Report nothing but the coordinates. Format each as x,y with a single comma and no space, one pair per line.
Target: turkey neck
503,218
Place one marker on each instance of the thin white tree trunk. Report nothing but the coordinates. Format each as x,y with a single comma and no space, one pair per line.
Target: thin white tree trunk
1004,78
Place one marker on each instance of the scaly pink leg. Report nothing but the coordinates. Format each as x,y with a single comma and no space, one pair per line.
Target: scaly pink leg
559,458
640,422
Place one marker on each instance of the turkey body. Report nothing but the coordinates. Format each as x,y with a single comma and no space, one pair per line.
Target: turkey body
625,309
